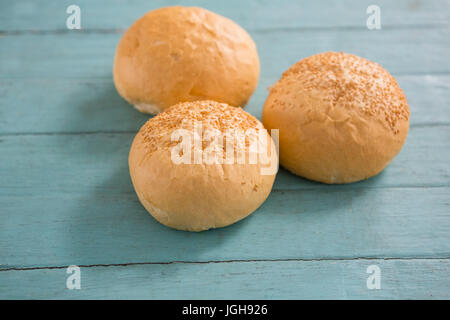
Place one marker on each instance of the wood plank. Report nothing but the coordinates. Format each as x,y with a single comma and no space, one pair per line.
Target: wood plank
73,106
98,162
251,14
341,279
66,198
101,226
78,55
94,105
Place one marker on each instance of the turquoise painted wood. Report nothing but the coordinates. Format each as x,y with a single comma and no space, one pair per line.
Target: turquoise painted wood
77,162
90,55
324,279
37,15
66,197
84,105
97,227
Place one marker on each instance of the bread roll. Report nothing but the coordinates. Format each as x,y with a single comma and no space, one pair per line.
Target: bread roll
342,118
199,195
177,54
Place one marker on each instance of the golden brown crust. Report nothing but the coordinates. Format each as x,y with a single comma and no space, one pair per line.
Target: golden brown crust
211,114
341,118
177,54
196,197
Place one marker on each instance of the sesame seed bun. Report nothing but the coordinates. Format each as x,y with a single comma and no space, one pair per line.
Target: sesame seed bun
177,54
342,118
198,196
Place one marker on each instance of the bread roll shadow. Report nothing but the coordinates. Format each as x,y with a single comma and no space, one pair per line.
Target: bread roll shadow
106,202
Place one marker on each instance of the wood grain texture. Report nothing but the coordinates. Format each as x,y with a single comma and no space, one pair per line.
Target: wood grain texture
343,279
80,208
97,228
66,197
40,164
38,15
90,55
94,106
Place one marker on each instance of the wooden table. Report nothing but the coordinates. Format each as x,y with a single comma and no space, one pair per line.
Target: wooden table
66,196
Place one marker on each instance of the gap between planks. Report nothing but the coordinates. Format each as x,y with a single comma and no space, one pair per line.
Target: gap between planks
225,261
256,30
69,133
108,78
